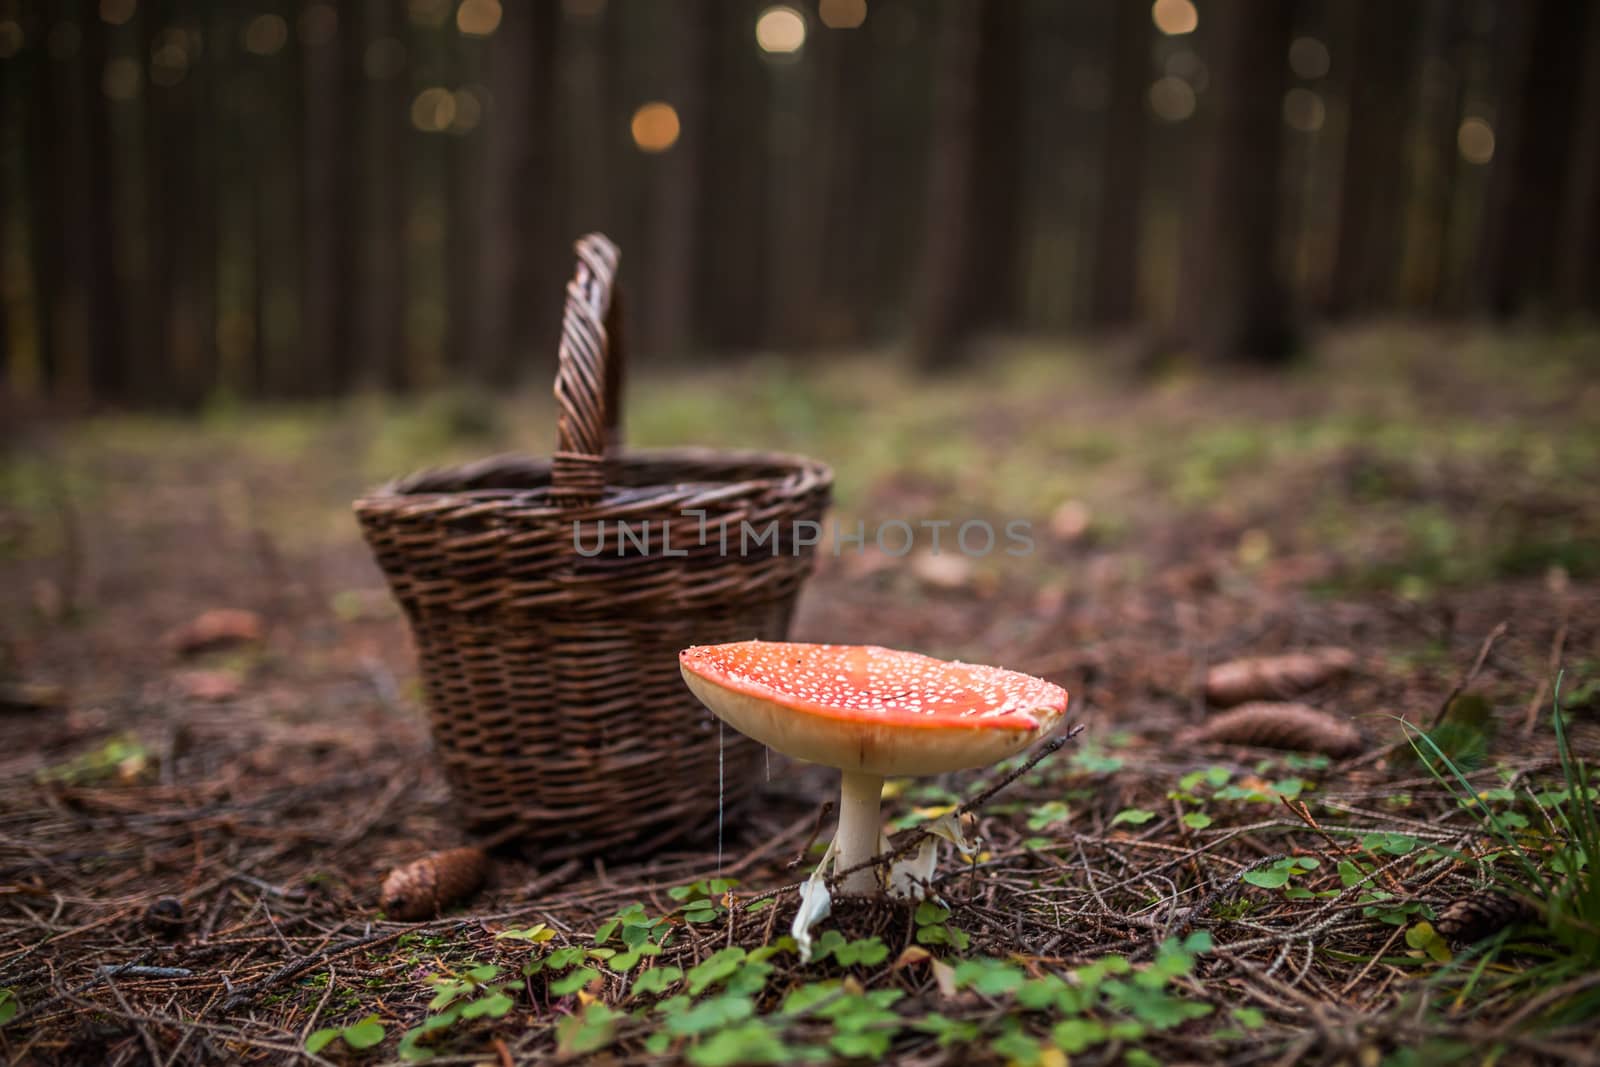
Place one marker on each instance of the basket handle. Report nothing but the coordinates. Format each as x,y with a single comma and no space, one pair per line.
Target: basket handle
588,386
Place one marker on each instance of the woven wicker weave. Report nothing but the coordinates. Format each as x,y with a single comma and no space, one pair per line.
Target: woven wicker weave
552,673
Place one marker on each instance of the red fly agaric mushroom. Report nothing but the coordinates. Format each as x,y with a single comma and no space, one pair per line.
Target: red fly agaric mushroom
871,712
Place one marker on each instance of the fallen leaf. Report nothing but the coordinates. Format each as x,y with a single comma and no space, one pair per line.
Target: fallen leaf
212,630
1255,547
942,570
207,685
866,562
944,976
131,769
364,605
31,696
909,955
1070,522
1050,599
48,600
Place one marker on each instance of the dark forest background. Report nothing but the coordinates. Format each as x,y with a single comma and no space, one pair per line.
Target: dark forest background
265,198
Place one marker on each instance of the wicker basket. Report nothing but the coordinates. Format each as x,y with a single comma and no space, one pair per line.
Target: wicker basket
549,600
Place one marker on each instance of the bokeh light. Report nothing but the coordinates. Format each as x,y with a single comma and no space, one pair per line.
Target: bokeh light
478,18
122,78
433,110
425,229
169,59
1172,99
168,66
266,35
1185,63
842,14
655,127
117,12
781,30
1303,110
1308,58
1475,140
11,38
1174,17
430,14
469,109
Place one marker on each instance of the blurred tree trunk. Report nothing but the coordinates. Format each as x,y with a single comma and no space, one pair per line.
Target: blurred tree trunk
463,158
1114,285
734,211
587,43
10,199
109,373
997,190
383,361
46,217
332,83
903,54
1437,160
1367,242
261,382
1578,266
802,144
1234,303
849,289
291,369
180,225
545,259
1518,242
942,316
691,26
520,196
151,314
969,275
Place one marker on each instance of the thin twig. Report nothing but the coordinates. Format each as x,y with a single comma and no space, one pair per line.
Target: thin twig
800,857
296,967
1558,645
1471,676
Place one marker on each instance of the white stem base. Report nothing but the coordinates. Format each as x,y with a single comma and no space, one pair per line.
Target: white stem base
859,831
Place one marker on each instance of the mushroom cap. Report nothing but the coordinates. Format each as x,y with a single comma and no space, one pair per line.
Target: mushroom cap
868,709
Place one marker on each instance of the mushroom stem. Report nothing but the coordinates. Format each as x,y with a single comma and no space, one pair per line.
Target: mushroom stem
859,830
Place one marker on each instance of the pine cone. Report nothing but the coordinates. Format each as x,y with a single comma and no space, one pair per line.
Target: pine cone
164,917
1289,726
1275,677
1477,915
424,887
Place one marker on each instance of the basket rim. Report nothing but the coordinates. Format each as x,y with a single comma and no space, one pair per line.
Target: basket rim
786,466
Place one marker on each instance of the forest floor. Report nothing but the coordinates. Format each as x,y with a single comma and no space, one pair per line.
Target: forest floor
191,846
